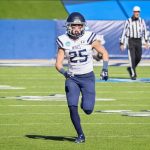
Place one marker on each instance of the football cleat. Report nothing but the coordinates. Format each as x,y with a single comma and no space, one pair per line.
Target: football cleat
80,139
104,75
133,78
132,74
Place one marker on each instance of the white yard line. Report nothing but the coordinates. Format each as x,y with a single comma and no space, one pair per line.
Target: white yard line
66,105
119,136
90,136
87,123
96,92
18,114
106,112
15,114
123,91
33,105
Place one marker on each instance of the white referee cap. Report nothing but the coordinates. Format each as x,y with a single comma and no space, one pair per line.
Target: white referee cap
136,8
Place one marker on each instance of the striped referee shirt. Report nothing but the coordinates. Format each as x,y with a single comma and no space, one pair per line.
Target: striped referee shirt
134,28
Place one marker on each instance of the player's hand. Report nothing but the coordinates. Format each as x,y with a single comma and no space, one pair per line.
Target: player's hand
67,75
122,47
104,75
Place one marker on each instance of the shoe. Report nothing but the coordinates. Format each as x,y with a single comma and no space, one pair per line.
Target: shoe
80,139
104,75
133,78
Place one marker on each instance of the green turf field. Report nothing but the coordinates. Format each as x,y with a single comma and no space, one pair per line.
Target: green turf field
32,9
45,125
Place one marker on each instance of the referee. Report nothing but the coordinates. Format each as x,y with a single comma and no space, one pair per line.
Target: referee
133,33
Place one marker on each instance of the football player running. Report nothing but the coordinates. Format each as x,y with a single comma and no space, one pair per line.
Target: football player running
76,45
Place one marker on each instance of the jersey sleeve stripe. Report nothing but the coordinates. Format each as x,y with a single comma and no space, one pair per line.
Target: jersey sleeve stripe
91,38
60,44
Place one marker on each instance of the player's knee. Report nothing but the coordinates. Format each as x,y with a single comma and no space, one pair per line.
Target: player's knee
88,112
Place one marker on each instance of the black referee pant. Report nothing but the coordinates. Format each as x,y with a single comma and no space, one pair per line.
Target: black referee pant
135,53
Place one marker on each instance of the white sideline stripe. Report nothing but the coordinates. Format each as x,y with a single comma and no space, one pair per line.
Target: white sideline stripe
11,114
33,105
107,123
96,92
97,86
108,85
118,136
118,123
56,97
94,136
15,114
123,91
8,87
46,77
30,124
120,98
66,105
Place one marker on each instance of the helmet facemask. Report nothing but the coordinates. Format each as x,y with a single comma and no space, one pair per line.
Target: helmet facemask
75,29
76,33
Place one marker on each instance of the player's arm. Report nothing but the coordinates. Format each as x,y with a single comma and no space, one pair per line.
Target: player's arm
97,45
99,48
59,61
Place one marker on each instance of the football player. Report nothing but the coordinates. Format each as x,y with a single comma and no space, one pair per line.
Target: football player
76,45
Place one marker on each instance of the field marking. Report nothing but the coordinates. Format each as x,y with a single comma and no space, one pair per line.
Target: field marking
67,105
96,92
86,123
120,98
52,97
118,136
124,113
9,87
15,114
90,136
122,91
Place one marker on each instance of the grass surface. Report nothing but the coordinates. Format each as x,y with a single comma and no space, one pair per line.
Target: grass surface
32,9
45,125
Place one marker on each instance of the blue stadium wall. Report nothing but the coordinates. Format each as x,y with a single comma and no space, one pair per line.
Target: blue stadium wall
35,39
107,9
27,39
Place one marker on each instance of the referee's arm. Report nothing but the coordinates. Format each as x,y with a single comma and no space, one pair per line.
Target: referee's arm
145,34
123,36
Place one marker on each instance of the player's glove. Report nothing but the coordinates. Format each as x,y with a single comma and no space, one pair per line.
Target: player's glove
104,75
65,73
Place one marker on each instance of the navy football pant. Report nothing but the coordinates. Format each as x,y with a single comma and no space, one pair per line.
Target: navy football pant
84,84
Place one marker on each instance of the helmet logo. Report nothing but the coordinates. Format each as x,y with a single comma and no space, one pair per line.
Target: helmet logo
77,21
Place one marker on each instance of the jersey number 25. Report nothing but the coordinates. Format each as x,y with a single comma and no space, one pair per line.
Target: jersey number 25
81,54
